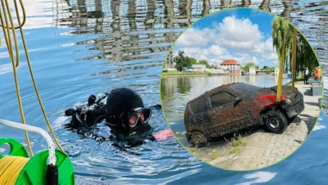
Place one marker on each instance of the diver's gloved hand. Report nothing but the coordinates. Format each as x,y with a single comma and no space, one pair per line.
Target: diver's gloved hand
163,135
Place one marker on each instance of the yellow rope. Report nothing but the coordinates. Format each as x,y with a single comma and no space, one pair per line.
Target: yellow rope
6,33
8,42
10,168
24,15
34,83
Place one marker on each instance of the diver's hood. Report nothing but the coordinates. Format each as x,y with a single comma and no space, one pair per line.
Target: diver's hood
122,100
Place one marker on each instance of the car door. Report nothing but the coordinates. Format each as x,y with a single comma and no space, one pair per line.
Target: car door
224,114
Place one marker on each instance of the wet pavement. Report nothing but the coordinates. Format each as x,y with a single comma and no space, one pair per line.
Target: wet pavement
261,148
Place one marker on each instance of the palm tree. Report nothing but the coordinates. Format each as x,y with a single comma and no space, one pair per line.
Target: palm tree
282,33
305,54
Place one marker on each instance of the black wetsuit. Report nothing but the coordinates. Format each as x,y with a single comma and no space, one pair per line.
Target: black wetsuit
85,116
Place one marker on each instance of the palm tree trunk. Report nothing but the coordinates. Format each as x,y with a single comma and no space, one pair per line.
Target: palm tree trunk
294,57
281,70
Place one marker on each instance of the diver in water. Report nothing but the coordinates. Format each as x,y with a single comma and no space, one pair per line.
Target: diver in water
124,113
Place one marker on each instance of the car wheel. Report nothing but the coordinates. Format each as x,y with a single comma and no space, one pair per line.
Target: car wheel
275,121
198,139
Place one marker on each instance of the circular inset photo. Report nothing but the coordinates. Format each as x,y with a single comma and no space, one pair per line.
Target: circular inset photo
240,89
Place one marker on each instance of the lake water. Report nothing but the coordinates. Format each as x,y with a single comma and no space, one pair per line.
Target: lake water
82,47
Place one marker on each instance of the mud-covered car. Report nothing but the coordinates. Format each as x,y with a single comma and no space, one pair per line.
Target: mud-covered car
233,107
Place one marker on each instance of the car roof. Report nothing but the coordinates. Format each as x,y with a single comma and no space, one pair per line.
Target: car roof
245,89
241,89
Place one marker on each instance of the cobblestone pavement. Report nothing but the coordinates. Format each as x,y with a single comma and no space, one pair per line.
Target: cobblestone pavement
263,149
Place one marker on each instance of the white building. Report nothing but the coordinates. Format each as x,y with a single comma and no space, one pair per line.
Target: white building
276,71
231,65
252,70
216,71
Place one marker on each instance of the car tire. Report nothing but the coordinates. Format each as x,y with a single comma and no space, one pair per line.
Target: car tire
275,121
198,139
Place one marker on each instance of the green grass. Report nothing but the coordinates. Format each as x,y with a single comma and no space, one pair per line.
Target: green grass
192,150
298,78
237,144
234,149
215,154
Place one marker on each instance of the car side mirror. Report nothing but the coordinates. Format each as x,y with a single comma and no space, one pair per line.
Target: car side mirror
238,99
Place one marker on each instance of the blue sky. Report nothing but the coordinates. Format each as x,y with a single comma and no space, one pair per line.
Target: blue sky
243,34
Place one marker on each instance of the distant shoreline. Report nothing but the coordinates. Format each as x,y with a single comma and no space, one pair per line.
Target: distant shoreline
205,73
190,73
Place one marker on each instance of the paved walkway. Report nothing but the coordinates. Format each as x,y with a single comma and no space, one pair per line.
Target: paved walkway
262,148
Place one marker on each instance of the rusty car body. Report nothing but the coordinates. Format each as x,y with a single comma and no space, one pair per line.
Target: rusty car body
233,107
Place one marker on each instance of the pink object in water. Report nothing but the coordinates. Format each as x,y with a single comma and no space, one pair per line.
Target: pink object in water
163,135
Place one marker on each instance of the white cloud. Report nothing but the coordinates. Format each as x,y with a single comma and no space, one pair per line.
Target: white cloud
245,59
239,30
216,54
230,33
195,37
194,51
203,57
264,46
270,56
238,33
213,54
232,38
217,50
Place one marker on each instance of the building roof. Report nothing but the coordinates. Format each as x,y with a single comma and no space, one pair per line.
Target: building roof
229,62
